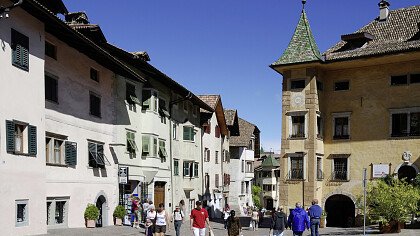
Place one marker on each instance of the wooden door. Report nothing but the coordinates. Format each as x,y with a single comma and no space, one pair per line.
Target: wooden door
159,193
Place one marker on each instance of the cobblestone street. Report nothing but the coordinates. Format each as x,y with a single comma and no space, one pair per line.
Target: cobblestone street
218,230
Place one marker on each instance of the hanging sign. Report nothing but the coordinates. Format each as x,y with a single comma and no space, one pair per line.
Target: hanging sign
123,175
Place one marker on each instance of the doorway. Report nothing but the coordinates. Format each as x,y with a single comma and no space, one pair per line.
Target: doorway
269,204
340,211
100,204
159,193
407,172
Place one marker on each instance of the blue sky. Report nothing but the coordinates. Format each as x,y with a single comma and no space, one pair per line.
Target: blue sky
225,46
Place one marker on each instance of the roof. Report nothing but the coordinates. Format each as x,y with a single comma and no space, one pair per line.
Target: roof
55,6
210,100
246,131
270,162
400,32
230,116
215,102
302,46
232,122
73,38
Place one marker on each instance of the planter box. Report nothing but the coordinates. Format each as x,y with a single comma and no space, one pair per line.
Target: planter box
118,221
391,227
90,223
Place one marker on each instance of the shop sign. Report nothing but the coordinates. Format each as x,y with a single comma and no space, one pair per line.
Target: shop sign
123,175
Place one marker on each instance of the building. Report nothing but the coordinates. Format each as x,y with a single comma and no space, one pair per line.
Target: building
356,106
215,135
266,176
243,149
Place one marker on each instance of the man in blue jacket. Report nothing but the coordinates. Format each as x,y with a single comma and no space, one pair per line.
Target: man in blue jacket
315,212
298,220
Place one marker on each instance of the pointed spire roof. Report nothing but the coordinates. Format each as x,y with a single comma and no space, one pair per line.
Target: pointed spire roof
270,162
302,47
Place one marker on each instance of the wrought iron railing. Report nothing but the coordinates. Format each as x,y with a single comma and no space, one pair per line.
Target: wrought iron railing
296,174
340,175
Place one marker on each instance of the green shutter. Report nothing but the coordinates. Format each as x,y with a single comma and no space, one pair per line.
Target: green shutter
32,149
145,145
71,153
10,136
20,50
187,133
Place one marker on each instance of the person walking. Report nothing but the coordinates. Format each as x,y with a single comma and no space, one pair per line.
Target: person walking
145,209
278,222
298,220
198,219
255,219
315,212
161,221
226,214
150,221
233,225
178,218
135,212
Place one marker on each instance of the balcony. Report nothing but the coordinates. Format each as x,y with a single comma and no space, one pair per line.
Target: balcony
339,175
296,174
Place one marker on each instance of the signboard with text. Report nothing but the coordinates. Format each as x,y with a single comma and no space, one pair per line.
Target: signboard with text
123,175
380,170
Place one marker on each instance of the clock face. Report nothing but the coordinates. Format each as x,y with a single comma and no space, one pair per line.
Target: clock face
298,99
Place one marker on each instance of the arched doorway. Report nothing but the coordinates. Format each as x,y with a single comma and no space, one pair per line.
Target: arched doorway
407,172
101,205
269,204
340,211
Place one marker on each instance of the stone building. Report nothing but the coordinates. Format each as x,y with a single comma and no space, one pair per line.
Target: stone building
266,176
355,106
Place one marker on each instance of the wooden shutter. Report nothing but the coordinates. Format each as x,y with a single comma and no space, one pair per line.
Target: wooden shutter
71,153
20,50
10,136
32,147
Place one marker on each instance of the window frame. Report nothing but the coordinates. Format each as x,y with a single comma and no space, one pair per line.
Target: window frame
347,165
50,146
94,74
92,103
176,167
132,147
336,89
191,134
25,221
408,112
339,116
19,44
52,212
55,78
291,156
54,52
99,156
298,81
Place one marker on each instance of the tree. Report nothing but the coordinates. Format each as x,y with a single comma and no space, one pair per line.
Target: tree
391,200
256,191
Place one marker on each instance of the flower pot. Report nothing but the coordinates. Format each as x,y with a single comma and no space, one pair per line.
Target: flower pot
391,227
118,221
90,223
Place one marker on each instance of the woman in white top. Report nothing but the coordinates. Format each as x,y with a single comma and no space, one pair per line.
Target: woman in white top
150,219
161,221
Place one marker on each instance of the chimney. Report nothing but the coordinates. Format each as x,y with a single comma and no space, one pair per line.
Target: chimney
383,10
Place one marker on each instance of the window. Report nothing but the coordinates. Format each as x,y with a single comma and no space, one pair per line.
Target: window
216,180
414,78
51,88
94,75
405,124
195,110
249,167
268,187
155,146
57,211
399,80
195,169
150,100
207,127
340,169
341,128
131,144
319,173
189,133
145,145
251,144
298,127
342,85
266,174
207,181
97,158
217,131
296,167
176,167
163,110
297,84
188,169
54,151
319,85
95,105
162,149
174,133
22,213
20,50
216,157
243,166
50,50
131,97
319,127
21,138
206,154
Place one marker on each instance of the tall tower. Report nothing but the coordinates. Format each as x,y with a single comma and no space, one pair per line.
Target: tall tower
301,144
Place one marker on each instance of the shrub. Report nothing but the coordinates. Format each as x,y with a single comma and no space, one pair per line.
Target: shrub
119,212
91,212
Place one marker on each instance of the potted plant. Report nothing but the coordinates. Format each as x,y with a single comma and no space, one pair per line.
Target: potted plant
323,220
119,214
91,215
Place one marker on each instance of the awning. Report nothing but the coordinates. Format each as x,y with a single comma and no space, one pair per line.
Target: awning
149,175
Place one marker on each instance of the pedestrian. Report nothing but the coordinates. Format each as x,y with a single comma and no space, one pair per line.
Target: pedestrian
178,218
145,209
150,221
234,225
151,205
255,219
278,222
261,217
226,214
198,219
298,220
161,220
182,205
135,212
315,212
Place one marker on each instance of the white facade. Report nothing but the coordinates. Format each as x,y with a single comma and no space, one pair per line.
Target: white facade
22,177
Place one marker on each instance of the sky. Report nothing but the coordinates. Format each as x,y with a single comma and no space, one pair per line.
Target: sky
226,46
